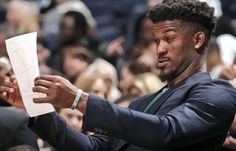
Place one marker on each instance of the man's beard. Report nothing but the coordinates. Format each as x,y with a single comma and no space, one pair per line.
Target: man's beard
168,76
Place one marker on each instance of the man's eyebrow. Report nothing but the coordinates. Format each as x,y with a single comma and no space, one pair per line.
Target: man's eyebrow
170,29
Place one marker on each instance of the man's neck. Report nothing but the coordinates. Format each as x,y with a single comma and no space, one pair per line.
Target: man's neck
182,76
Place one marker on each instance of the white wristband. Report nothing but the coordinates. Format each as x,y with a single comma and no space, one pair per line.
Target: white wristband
77,98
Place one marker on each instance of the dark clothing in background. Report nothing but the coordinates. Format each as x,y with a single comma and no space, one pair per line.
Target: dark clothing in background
14,130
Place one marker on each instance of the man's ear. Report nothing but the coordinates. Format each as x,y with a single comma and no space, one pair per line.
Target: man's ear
199,41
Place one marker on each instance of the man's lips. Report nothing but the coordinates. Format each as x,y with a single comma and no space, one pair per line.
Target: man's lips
161,62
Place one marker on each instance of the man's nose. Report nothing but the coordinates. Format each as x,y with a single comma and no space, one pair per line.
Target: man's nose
161,48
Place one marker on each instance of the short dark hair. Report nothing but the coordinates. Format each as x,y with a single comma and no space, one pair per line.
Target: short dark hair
186,10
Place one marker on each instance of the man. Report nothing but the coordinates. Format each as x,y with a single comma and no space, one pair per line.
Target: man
193,112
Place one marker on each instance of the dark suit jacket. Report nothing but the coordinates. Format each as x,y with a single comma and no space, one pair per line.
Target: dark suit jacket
193,115
14,130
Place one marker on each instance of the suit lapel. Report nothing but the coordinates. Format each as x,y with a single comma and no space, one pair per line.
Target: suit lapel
144,103
156,106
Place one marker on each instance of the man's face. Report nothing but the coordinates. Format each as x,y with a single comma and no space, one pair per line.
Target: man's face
174,48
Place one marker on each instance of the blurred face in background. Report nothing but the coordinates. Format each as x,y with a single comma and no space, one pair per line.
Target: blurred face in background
100,88
67,29
74,118
72,65
13,14
145,31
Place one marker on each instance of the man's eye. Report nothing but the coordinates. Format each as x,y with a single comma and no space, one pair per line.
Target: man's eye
169,39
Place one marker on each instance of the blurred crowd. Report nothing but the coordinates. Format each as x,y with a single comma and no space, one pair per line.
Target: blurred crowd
104,47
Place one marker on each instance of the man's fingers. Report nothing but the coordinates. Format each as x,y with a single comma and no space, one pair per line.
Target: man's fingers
6,89
43,83
4,95
40,89
42,100
50,78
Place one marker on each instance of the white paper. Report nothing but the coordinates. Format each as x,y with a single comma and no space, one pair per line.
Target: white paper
22,52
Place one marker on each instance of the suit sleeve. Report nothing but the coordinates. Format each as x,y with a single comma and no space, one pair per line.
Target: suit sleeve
53,129
207,112
24,135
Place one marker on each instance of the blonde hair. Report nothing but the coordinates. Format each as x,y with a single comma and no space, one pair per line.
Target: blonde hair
147,83
106,71
28,21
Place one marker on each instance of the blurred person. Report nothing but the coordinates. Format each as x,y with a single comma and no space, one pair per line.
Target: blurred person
106,71
143,84
73,30
93,83
51,19
75,59
99,88
113,21
144,45
214,62
129,71
187,114
213,56
74,118
215,65
43,54
13,126
14,129
21,18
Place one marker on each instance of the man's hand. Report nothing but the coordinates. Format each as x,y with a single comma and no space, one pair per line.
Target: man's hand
115,48
11,93
60,92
